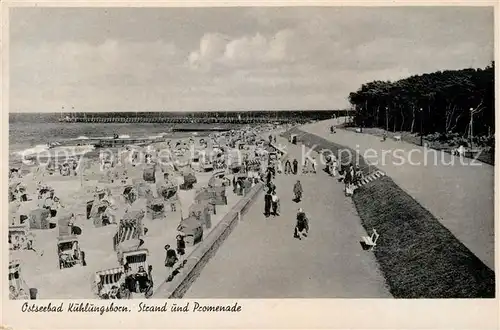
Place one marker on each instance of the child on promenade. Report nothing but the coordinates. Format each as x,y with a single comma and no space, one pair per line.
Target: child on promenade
275,203
297,191
267,203
302,225
288,167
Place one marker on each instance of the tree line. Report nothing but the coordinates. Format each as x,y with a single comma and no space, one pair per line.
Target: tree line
439,102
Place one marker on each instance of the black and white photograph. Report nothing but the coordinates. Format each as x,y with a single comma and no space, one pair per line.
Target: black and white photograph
250,153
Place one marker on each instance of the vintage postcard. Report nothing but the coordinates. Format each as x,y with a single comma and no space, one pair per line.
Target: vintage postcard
249,165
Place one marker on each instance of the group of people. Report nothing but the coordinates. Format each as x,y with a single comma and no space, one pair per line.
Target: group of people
20,242
139,282
332,166
271,201
309,166
18,193
48,200
116,292
15,294
68,168
241,184
291,167
172,256
272,204
351,175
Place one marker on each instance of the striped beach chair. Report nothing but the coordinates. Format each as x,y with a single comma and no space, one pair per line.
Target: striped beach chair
127,235
16,282
106,279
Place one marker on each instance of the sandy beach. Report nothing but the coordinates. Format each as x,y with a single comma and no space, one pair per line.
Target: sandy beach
40,267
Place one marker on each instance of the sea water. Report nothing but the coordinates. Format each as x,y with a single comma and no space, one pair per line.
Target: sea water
30,133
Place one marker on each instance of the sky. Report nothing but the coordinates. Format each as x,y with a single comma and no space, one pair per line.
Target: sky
204,59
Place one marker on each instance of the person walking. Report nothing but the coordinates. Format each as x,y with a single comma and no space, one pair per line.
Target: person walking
334,166
170,259
302,226
352,169
288,167
275,203
269,176
295,166
245,165
328,167
271,187
267,203
342,171
305,166
358,175
348,180
234,184
273,170
181,245
297,190
239,187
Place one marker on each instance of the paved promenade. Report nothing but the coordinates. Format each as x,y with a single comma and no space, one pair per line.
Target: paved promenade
261,259
461,196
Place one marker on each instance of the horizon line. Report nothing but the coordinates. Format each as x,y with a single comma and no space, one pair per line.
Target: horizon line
175,111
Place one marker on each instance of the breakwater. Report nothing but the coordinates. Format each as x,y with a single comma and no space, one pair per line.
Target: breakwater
174,120
242,117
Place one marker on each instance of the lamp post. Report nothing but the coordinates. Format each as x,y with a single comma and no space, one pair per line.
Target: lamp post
471,131
421,127
387,119
363,116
